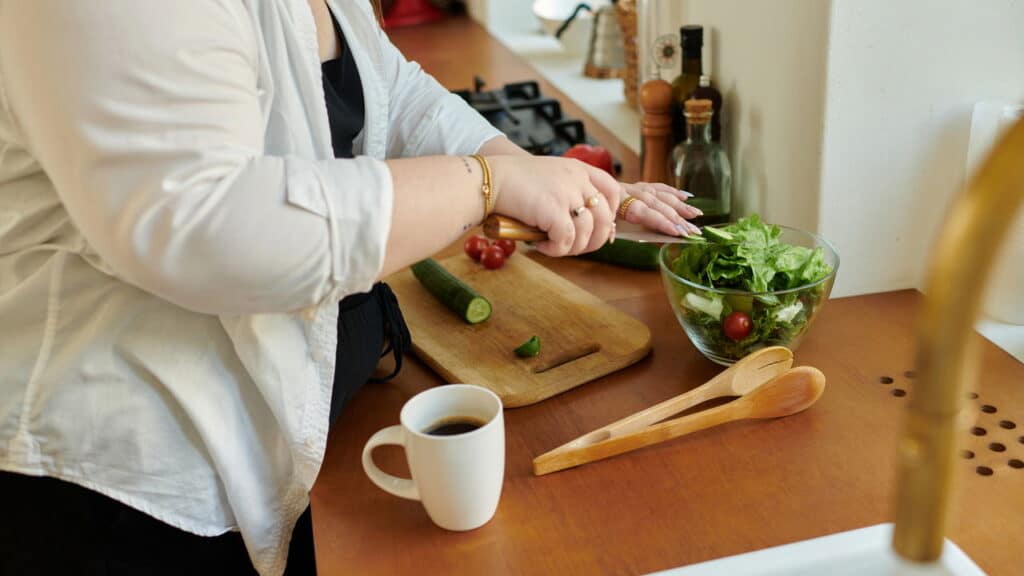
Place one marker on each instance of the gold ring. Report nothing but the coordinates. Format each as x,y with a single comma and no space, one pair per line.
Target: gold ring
593,201
624,207
577,211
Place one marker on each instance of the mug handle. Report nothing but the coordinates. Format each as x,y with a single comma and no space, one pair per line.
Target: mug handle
401,487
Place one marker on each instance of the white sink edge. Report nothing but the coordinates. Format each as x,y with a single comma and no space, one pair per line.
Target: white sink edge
861,551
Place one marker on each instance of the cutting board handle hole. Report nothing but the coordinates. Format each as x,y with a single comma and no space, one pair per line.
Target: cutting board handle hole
566,357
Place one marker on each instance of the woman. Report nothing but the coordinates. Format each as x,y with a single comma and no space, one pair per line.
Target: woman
187,191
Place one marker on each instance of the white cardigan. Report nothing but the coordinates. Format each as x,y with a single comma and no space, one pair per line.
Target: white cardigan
174,237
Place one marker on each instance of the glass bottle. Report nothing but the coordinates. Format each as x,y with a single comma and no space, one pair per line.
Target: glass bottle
705,90
691,40
701,167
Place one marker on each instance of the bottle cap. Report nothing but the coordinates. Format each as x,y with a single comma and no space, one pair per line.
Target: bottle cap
697,111
691,36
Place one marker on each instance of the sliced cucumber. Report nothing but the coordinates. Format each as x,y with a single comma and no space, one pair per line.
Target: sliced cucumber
717,235
452,292
529,349
638,255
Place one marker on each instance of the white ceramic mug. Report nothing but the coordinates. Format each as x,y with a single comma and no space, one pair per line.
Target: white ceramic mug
459,477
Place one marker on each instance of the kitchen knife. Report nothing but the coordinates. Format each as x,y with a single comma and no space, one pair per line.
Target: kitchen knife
499,227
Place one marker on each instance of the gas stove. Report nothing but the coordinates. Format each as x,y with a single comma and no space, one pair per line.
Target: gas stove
529,119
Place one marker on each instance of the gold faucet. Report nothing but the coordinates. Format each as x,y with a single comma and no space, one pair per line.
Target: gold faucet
947,358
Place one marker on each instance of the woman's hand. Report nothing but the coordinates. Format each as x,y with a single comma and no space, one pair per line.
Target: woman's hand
572,202
661,207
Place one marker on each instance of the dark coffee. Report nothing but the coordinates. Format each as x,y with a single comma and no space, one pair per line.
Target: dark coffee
453,425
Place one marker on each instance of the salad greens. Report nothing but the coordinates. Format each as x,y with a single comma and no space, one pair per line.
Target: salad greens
747,256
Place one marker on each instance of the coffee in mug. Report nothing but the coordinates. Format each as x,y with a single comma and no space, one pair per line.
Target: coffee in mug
454,440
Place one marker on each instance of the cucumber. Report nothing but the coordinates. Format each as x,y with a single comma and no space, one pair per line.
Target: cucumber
638,255
717,235
452,292
529,349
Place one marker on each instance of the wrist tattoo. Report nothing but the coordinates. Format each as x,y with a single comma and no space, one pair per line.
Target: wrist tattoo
469,169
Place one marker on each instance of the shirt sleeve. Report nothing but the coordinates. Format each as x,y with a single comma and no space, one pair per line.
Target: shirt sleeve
145,115
425,118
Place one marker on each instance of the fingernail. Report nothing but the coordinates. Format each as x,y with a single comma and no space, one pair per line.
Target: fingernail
695,229
697,210
683,231
685,193
611,239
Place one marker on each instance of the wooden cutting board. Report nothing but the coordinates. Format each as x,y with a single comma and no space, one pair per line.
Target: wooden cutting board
582,337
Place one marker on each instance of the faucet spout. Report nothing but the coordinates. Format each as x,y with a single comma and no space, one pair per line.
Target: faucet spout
946,351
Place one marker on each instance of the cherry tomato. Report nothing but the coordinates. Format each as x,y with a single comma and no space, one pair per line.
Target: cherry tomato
507,246
493,257
737,326
474,247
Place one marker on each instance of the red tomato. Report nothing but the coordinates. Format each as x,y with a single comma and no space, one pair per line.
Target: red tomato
507,246
493,257
737,326
594,155
474,246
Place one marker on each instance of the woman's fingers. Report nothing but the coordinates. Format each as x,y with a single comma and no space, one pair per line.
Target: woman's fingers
672,196
640,213
584,223
681,208
679,225
603,218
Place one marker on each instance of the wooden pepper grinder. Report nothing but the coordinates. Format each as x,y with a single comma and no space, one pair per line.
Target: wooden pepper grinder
656,129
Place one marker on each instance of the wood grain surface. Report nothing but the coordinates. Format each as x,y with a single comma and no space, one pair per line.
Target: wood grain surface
582,338
728,490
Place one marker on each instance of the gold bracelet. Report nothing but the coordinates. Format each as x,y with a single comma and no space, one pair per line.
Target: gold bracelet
486,187
624,207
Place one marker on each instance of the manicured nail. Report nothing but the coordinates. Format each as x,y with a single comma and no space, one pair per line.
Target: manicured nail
611,240
698,211
695,229
683,230
685,193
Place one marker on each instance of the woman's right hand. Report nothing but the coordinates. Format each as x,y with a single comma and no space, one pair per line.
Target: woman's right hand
545,191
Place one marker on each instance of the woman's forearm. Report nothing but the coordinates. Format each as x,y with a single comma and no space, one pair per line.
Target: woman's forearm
436,199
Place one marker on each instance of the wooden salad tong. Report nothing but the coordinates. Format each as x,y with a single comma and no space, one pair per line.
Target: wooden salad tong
765,381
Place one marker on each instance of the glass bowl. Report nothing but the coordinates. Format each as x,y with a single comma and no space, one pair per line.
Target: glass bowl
778,318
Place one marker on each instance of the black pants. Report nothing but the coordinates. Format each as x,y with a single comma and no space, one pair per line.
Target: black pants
48,526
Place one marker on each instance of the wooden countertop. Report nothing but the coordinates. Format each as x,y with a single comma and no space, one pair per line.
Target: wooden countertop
724,491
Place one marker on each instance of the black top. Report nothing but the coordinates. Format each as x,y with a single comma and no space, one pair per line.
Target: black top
344,95
365,321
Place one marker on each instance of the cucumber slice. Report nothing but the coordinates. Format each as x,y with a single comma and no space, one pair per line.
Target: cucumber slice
717,235
529,349
638,255
452,292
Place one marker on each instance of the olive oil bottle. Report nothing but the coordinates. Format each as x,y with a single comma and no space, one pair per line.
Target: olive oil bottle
700,166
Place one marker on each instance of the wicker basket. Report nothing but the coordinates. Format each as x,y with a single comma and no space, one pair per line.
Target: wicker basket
626,12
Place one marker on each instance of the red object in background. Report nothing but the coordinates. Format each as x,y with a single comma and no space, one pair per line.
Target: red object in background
593,155
410,12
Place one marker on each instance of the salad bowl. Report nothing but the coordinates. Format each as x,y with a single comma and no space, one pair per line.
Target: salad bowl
747,285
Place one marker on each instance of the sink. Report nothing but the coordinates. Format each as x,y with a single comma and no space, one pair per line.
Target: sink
857,552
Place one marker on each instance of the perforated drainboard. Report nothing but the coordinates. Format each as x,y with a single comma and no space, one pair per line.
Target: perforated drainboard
995,443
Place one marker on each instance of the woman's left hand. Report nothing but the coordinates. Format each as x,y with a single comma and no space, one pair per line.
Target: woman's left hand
660,207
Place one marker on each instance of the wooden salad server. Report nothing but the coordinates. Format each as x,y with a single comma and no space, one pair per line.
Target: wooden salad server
790,392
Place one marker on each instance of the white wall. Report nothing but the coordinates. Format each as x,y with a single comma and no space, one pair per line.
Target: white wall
903,79
768,59
508,16
852,117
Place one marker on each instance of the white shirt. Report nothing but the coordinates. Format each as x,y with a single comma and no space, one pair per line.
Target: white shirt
169,204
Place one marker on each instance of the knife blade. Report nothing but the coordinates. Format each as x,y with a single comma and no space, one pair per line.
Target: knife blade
502,228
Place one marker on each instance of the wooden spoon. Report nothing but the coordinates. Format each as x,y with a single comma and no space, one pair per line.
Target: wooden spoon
741,378
789,393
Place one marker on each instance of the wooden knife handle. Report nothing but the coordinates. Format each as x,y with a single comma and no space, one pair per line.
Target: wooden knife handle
502,228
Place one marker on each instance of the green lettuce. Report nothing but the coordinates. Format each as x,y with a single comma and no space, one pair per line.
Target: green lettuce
748,256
